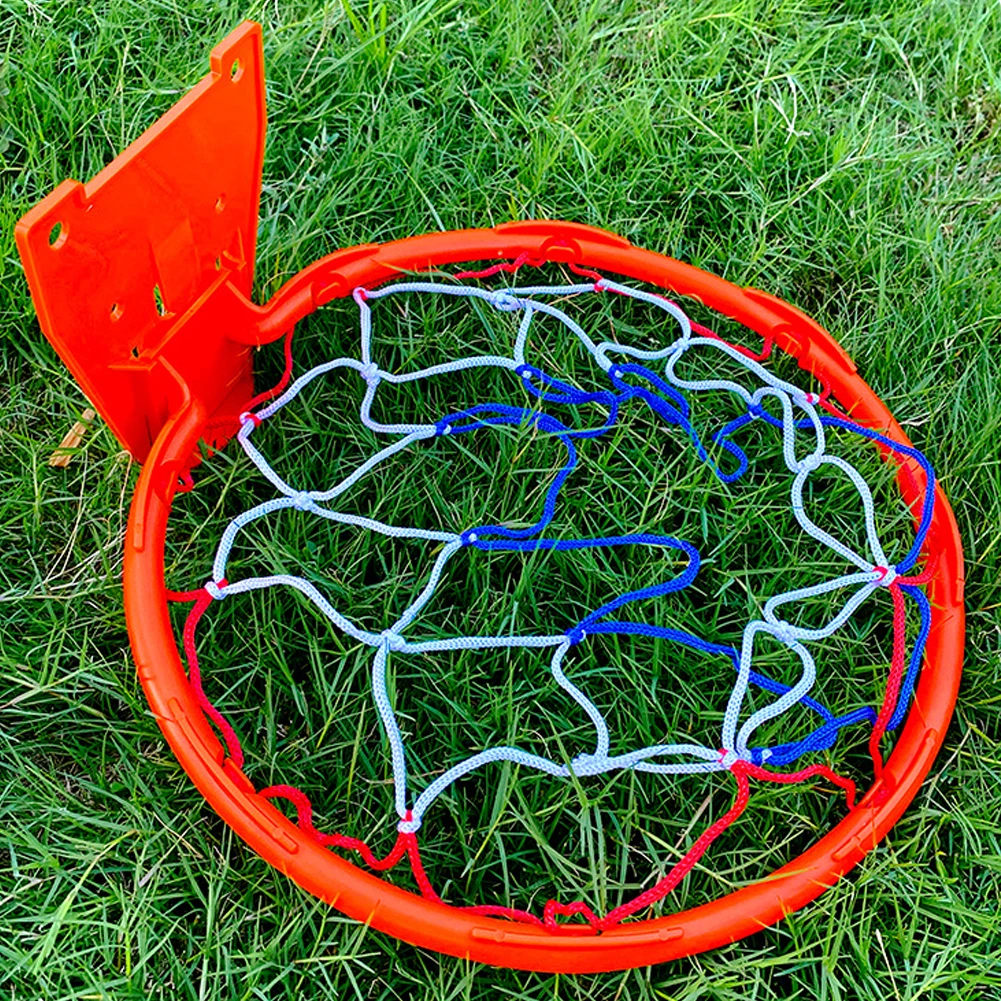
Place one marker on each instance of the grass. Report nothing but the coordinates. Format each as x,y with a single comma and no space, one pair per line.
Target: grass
843,156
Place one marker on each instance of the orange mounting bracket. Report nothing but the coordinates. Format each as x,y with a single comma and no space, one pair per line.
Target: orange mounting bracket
155,256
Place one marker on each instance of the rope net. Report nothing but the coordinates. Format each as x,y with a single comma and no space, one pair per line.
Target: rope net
645,375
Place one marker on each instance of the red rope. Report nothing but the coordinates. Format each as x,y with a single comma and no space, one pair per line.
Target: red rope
232,424
279,387
898,663
689,859
195,677
742,772
304,814
509,266
417,868
585,272
406,842
185,595
788,778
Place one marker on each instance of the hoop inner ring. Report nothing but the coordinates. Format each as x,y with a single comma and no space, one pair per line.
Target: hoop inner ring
451,930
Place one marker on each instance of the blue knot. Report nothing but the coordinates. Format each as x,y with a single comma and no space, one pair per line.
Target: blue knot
469,537
577,634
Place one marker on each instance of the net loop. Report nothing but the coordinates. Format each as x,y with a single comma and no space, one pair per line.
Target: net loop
647,375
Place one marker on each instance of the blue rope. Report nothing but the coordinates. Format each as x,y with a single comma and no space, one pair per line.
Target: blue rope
665,396
721,437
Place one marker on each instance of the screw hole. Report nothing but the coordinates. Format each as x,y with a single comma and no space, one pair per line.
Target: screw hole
57,236
135,352
220,203
158,299
116,311
218,264
235,70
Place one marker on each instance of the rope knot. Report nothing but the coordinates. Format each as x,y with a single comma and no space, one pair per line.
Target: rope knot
576,635
370,373
728,758
811,462
302,501
468,538
505,302
784,632
214,589
887,575
247,417
409,825
589,764
394,641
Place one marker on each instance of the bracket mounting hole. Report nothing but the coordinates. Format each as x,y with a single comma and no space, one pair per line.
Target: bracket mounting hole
57,236
235,70
115,312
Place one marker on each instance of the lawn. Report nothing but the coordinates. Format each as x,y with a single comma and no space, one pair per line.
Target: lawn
843,156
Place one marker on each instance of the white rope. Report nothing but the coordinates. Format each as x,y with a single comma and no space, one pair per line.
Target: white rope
873,570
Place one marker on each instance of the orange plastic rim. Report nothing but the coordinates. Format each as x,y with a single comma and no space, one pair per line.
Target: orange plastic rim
406,915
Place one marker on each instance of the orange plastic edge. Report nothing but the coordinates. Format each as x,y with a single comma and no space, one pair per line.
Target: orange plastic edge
409,917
